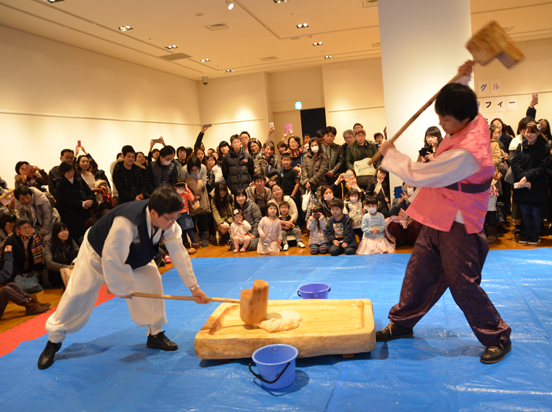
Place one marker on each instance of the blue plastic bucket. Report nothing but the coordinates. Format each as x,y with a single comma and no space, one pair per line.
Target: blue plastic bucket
276,365
314,291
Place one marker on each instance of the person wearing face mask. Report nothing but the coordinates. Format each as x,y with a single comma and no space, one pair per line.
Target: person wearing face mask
529,165
353,206
373,240
184,219
313,170
163,171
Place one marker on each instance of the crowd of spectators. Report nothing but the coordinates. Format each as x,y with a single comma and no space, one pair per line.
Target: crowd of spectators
261,194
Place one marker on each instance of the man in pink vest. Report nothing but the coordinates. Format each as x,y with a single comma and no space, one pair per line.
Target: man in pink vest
451,203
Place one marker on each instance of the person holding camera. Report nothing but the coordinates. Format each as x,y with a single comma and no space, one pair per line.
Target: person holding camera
432,139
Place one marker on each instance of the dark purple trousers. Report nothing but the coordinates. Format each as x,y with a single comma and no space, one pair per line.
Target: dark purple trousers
454,260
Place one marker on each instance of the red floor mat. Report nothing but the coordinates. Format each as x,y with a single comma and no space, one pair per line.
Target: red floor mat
34,328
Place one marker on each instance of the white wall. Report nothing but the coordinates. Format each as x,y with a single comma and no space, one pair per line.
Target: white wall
53,94
353,93
532,75
234,104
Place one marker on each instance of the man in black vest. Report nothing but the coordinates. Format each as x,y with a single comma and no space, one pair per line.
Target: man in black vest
119,250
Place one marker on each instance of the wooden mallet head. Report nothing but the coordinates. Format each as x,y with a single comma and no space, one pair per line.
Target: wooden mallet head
254,303
493,42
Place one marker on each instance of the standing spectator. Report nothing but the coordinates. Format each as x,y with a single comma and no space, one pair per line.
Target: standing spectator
244,140
184,219
254,149
67,155
162,172
75,199
267,162
332,152
214,173
313,171
129,177
142,159
195,175
34,205
432,140
31,176
529,166
296,152
356,155
237,166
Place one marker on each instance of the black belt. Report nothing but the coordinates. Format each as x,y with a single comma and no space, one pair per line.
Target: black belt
469,188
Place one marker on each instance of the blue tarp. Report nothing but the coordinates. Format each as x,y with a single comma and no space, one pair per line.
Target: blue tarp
106,366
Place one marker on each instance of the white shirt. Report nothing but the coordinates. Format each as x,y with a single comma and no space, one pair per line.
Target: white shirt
449,167
118,274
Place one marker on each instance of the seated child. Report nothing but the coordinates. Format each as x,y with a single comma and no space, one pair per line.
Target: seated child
339,231
373,225
353,207
317,227
289,228
184,220
270,232
239,232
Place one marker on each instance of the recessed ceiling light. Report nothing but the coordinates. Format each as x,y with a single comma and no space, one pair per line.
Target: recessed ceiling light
229,71
204,60
302,26
170,47
123,28
280,1
317,43
328,57
53,1
229,4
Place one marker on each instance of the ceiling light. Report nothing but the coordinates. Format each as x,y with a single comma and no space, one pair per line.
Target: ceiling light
328,57
170,47
229,71
229,4
302,26
204,60
280,1
122,28
317,43
53,1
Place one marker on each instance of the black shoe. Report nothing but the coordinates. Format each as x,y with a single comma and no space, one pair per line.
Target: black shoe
47,356
534,241
524,240
494,354
392,331
160,341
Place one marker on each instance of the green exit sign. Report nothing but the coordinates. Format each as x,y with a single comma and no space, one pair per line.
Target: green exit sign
298,105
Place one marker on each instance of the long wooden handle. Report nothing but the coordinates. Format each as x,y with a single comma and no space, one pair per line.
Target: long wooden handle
413,118
176,297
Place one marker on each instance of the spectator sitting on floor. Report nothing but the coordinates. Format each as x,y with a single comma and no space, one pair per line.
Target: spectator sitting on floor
59,253
7,222
287,229
316,225
12,292
339,231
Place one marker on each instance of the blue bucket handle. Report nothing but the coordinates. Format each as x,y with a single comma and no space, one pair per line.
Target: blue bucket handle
263,379
299,293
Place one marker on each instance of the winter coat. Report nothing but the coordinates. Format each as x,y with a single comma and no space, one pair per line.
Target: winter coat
69,204
348,232
354,153
314,170
158,175
224,215
122,181
252,214
238,170
531,162
333,153
40,212
261,165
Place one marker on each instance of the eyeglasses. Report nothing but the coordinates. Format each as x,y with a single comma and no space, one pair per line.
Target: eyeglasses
171,221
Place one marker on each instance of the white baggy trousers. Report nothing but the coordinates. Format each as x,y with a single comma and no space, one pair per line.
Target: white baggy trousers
76,305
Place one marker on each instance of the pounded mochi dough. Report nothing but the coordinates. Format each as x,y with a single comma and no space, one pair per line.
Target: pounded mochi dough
280,321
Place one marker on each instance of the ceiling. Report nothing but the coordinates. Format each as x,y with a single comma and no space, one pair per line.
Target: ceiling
262,35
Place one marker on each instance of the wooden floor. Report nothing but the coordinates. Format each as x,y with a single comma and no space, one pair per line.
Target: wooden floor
14,315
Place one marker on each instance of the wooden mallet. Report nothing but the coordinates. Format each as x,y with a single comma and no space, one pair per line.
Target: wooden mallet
253,302
487,44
